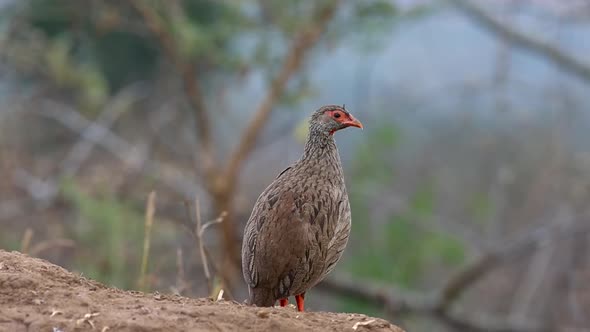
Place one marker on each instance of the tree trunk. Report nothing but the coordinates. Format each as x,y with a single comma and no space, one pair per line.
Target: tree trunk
230,267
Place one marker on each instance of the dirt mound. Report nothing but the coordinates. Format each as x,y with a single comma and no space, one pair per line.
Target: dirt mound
36,295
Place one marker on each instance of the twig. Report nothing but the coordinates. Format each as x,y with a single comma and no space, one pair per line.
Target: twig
201,244
197,230
149,221
212,222
516,38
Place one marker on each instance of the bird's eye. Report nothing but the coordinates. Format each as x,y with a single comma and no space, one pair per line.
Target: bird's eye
337,115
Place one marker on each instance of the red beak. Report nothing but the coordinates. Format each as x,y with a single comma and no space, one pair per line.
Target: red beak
352,122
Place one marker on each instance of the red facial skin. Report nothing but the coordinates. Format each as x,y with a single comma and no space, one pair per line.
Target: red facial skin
345,119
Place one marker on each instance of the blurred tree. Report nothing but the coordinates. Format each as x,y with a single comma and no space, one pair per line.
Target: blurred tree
147,81
89,50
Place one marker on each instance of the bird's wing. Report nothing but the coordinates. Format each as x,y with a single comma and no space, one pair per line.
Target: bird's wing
263,210
272,238
341,232
295,235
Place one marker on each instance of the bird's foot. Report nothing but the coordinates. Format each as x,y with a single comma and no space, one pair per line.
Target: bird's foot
300,299
284,302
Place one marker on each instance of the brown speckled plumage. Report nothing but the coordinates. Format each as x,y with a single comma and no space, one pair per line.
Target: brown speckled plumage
301,222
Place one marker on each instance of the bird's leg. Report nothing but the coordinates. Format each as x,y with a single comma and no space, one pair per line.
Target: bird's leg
284,302
300,298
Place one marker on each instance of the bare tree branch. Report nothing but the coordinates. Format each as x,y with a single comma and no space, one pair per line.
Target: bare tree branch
519,39
527,242
303,42
397,302
110,114
44,191
540,268
133,156
439,303
191,84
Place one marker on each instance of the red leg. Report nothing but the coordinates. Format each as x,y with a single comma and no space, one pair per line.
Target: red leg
284,302
300,299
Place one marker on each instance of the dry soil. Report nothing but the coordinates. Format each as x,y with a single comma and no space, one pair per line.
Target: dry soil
36,295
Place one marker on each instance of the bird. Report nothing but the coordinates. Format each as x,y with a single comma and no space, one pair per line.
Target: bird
300,224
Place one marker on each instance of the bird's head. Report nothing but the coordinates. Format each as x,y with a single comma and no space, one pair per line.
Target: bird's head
331,118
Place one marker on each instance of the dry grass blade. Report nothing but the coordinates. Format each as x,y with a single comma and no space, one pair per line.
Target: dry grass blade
26,241
181,283
149,220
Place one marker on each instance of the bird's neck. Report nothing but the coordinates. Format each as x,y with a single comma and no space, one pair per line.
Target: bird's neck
320,148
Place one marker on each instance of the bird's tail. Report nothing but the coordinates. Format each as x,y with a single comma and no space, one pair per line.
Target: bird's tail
261,297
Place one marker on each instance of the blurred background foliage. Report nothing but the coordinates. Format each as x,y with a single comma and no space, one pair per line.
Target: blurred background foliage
469,142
